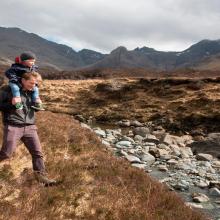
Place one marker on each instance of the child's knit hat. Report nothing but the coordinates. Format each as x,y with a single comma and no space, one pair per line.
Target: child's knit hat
27,55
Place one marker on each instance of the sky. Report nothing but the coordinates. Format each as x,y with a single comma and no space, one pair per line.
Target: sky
103,25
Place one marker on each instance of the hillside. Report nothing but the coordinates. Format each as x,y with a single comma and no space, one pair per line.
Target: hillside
94,184
56,56
179,104
13,41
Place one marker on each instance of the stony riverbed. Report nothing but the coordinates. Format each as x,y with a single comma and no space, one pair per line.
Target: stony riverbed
170,159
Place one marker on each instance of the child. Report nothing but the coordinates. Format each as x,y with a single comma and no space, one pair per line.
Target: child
23,64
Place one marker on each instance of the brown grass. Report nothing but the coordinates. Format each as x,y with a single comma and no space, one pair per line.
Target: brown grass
95,184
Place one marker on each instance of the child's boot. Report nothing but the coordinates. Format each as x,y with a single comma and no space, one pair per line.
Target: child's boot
18,106
38,106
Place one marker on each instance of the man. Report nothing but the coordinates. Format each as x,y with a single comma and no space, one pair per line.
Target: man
20,125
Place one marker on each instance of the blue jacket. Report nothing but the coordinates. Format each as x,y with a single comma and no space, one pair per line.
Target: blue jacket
15,72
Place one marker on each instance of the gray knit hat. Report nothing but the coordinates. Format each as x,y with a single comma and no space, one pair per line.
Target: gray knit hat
27,55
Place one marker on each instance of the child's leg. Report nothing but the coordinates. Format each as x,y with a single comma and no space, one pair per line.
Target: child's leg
15,92
37,103
35,95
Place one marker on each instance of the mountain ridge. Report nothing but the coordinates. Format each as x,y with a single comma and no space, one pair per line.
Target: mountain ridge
63,57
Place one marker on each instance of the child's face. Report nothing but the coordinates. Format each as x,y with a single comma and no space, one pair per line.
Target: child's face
28,63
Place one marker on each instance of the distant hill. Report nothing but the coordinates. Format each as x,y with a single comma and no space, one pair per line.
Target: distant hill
14,40
202,55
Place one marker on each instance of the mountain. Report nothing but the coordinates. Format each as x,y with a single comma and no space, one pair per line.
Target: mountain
197,56
13,41
202,55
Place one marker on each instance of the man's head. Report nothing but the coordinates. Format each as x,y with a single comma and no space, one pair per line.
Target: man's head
29,80
27,58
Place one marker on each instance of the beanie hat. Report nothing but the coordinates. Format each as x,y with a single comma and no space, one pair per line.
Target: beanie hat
27,56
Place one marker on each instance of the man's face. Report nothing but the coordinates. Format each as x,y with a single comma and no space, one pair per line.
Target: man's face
29,63
28,84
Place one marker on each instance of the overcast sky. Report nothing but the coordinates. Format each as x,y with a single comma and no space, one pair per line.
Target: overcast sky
103,25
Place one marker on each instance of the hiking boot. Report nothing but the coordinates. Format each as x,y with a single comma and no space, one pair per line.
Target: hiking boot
41,177
38,106
18,106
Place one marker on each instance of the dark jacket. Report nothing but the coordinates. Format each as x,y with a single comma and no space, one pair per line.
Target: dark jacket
12,116
15,72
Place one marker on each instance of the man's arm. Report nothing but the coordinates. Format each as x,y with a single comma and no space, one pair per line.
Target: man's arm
5,105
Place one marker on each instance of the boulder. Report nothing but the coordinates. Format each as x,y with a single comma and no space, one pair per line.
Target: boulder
133,159
142,131
200,198
100,132
204,157
148,158
214,192
122,144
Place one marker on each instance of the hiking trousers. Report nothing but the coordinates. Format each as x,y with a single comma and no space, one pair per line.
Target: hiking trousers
28,135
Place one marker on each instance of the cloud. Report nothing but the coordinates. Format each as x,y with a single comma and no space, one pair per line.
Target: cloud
103,24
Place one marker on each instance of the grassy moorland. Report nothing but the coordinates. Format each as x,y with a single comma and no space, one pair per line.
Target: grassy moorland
94,184
180,105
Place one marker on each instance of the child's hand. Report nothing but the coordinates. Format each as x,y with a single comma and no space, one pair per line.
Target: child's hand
16,100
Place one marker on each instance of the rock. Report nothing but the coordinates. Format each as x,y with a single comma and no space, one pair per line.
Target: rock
100,132
204,157
138,138
123,153
159,134
80,118
185,166
172,162
145,149
216,164
151,138
214,137
166,157
162,168
199,138
133,159
202,184
148,158
125,138
171,139
186,139
166,179
124,123
106,143
130,133
142,131
154,151
200,198
158,152
194,205
149,144
182,185
122,144
132,151
85,126
139,165
214,192
186,152
162,152
136,123
175,150
210,145
110,138
163,146
215,184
